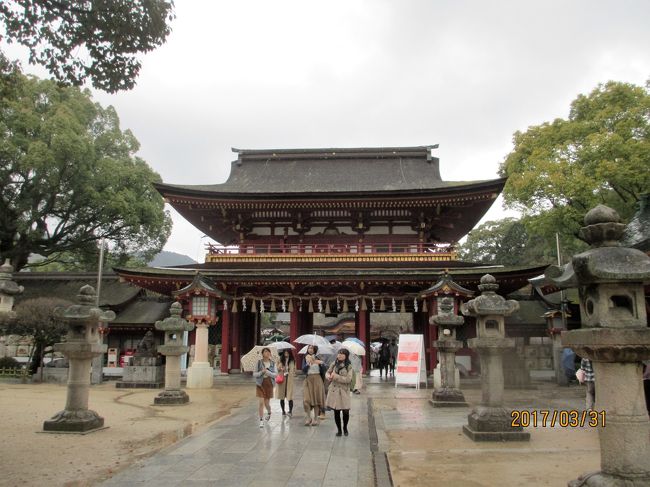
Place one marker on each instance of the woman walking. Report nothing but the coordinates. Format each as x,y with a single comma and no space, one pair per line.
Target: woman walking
286,367
264,375
338,398
313,390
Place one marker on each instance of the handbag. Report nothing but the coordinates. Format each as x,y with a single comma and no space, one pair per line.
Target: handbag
581,375
279,379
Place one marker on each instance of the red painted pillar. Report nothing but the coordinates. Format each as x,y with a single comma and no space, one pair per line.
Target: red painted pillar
294,332
236,352
364,335
225,339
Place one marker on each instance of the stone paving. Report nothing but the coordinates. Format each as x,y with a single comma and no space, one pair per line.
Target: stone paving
235,451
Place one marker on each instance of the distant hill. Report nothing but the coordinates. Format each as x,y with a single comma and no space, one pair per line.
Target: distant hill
168,259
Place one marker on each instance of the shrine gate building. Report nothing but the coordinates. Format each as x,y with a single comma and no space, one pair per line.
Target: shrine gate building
324,230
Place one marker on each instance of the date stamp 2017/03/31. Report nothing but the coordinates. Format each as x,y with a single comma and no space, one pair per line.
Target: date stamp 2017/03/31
550,418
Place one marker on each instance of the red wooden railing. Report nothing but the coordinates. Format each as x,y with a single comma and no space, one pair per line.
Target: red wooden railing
328,248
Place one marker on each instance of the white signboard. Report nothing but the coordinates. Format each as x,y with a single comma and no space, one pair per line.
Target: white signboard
411,366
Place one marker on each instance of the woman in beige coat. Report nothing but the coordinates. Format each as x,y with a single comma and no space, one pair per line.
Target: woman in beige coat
338,396
284,391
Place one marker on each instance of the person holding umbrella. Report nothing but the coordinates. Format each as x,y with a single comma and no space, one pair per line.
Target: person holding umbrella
338,398
313,390
286,367
264,374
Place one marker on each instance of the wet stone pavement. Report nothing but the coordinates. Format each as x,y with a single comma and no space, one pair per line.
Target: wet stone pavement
235,451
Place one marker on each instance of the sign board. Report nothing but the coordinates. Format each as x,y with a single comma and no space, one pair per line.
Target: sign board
411,366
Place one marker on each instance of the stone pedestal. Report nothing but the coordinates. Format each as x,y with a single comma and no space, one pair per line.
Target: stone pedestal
448,394
80,347
144,373
200,375
173,348
491,421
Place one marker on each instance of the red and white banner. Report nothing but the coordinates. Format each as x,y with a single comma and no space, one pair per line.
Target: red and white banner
410,367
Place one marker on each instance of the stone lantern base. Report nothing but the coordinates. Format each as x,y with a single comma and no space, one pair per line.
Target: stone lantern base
448,397
81,421
493,424
600,479
171,398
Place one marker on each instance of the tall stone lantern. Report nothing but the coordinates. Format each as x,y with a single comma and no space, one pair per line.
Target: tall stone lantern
490,421
445,297
8,289
615,336
449,393
80,347
173,348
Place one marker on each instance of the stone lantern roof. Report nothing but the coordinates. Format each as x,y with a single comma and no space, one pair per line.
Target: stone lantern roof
606,261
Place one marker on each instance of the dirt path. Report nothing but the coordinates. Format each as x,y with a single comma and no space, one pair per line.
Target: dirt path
136,429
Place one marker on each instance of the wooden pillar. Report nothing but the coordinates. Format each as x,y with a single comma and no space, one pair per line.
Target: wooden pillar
225,339
432,335
235,342
294,332
364,335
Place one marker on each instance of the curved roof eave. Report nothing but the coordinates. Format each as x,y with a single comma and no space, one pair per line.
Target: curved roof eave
219,191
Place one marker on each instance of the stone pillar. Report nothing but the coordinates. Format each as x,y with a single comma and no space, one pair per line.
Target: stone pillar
490,421
172,349
200,375
448,394
615,337
225,339
80,347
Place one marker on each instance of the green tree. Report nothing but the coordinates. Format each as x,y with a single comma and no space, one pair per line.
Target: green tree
98,40
36,318
506,242
600,154
70,177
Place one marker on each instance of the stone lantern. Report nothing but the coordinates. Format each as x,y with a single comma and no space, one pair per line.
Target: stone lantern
445,296
448,394
80,347
616,338
173,348
8,289
490,421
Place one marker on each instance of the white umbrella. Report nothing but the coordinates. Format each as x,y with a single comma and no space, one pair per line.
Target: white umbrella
249,361
354,347
323,345
280,346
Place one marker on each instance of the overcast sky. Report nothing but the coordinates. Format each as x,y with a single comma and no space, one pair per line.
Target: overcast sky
303,74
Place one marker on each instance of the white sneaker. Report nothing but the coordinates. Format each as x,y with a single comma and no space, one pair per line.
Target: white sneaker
261,424
267,417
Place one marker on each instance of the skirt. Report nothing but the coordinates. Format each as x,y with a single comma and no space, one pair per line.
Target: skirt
314,391
266,389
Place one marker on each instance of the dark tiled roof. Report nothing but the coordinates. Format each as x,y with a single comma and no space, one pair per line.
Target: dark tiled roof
143,311
329,171
66,285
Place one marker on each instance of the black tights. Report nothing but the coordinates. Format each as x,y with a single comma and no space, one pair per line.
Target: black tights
346,418
290,405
